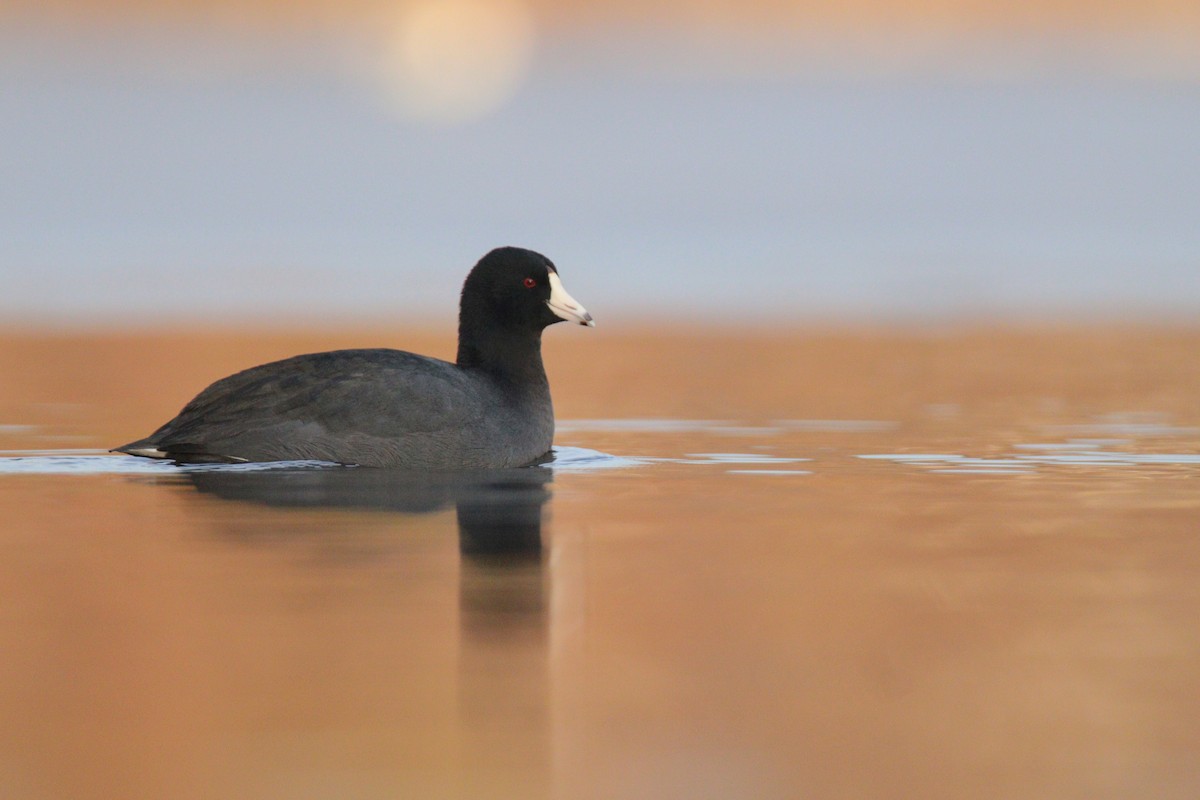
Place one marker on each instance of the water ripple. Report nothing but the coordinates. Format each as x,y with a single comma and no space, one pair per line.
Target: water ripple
100,462
1030,458
581,459
97,462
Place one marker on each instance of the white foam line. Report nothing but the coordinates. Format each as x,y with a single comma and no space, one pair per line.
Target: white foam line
581,459
59,464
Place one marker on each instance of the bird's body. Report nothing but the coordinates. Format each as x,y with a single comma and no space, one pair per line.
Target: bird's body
368,407
390,408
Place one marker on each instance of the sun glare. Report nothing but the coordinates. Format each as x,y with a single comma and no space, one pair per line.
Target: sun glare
453,61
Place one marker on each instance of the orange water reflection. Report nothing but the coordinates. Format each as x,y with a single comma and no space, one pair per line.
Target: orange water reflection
871,628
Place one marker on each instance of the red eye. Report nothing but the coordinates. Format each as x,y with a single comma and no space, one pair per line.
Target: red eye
529,283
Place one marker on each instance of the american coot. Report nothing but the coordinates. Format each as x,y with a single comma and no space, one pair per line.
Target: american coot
389,408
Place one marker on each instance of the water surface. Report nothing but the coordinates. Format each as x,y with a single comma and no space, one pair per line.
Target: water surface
976,580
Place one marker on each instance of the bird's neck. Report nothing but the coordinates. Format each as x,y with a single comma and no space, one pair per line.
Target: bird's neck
511,356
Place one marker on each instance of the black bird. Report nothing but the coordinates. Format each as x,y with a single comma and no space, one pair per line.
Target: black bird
389,408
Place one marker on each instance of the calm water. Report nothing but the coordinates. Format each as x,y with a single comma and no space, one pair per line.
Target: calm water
977,581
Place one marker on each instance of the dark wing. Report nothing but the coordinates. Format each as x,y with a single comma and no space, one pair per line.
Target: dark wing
294,408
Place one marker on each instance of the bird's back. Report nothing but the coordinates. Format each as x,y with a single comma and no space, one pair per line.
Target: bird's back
374,407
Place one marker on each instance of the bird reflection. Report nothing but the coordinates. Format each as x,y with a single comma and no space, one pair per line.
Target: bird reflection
499,511
502,660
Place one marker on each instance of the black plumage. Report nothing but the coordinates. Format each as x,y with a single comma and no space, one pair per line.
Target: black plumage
391,408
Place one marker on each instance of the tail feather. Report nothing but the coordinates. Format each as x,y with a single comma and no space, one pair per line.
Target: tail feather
145,448
181,452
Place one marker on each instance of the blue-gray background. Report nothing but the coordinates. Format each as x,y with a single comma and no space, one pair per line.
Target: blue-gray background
141,182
